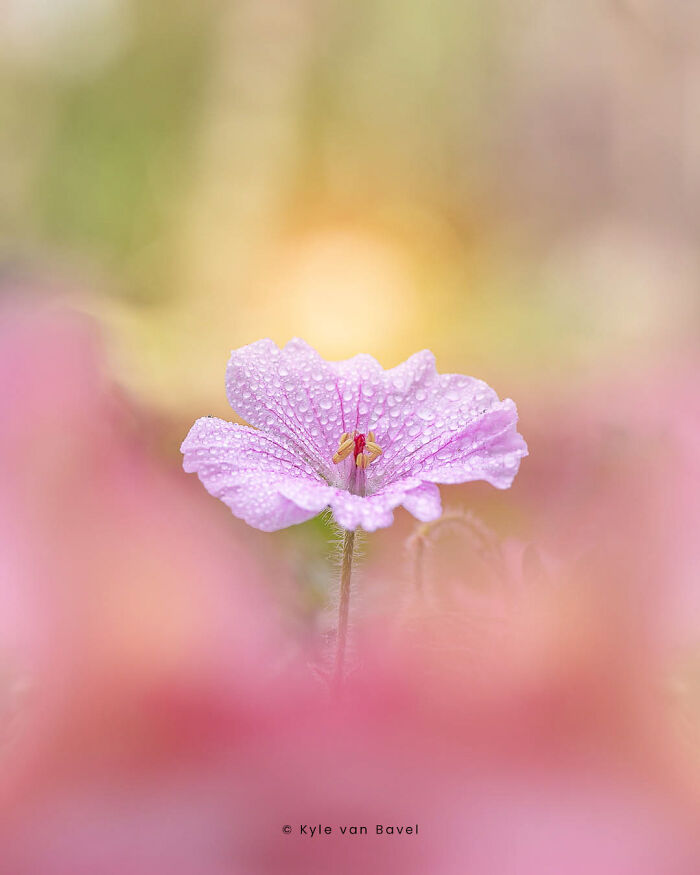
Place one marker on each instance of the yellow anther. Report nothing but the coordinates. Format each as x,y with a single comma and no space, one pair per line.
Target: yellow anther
374,449
370,437
346,446
362,460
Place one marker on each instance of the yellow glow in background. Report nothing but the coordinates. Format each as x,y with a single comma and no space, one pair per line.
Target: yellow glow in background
369,177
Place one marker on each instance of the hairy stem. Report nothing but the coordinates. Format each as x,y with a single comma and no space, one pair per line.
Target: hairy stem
344,606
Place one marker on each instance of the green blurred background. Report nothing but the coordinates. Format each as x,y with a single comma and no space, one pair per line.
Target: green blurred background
512,184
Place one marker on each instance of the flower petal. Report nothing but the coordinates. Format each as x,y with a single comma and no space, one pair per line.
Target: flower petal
293,393
488,448
424,502
259,478
379,400
376,511
305,400
449,428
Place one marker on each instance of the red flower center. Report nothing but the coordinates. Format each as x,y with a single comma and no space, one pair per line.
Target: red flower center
359,444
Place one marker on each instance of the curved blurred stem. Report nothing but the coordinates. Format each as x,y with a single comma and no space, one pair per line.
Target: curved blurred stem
482,539
344,606
419,544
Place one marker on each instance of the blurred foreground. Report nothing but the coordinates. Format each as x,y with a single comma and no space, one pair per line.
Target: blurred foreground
533,706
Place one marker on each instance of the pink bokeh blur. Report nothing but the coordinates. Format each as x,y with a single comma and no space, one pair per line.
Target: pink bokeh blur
527,703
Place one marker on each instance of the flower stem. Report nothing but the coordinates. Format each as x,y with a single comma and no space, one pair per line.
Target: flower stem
344,606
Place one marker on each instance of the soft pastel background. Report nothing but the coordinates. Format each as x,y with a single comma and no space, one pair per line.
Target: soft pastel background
515,185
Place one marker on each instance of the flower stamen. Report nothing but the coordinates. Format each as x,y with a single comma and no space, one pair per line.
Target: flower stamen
365,449
375,450
347,442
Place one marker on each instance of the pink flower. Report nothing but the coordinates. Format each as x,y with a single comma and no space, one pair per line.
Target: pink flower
350,436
